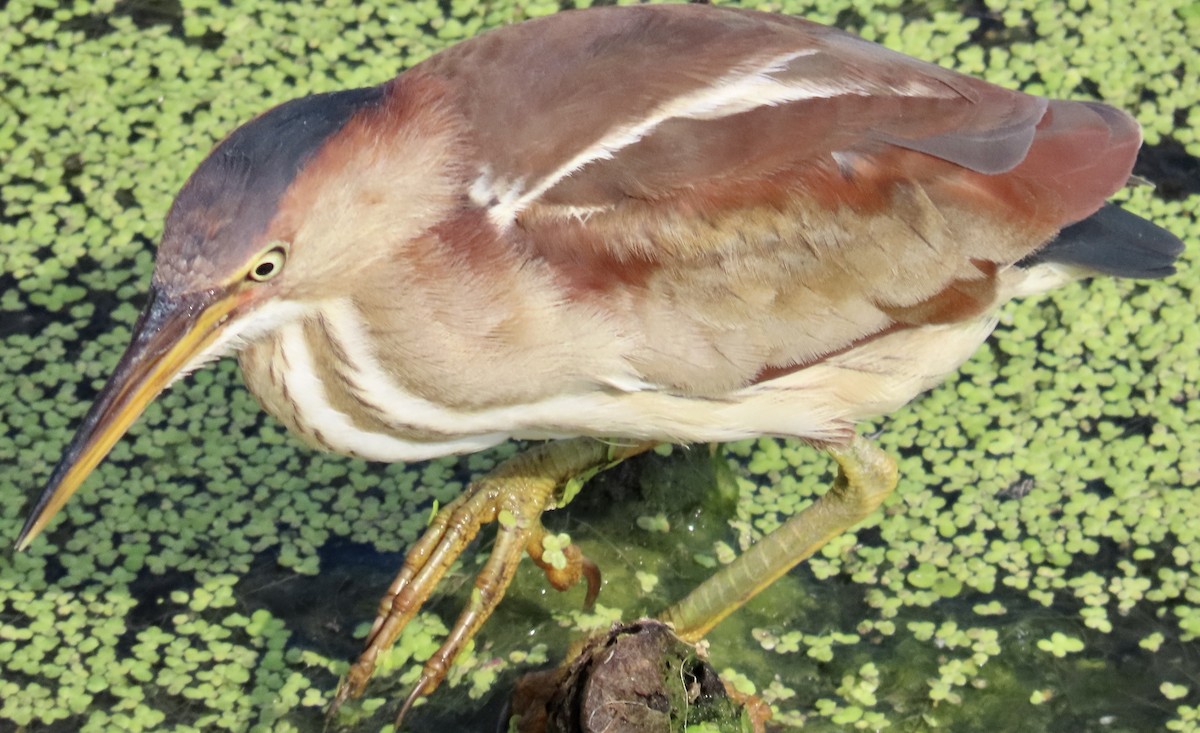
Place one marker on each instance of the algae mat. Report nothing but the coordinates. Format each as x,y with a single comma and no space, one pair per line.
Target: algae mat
1038,568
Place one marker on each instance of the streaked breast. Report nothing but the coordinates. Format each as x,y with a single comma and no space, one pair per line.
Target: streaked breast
320,378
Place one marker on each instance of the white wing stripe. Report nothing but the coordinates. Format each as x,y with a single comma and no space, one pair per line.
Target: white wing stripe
743,90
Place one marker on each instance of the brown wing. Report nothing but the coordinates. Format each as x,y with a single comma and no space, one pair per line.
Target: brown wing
756,191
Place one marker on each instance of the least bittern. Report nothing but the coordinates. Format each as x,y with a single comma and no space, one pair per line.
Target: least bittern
645,224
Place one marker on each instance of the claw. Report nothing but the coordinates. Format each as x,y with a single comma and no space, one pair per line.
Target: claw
518,491
577,567
417,693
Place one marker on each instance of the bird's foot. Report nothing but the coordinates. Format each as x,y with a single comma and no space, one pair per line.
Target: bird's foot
866,477
514,495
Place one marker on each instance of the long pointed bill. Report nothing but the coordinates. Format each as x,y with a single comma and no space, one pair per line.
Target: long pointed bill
169,334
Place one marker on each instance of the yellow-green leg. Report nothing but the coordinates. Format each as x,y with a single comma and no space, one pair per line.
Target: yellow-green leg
514,495
517,492
866,477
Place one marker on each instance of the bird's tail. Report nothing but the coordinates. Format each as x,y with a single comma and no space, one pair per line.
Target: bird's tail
1112,241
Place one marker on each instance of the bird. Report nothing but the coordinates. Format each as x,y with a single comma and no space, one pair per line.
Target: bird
608,229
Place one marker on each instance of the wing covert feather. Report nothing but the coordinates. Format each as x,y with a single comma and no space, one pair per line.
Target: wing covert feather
756,191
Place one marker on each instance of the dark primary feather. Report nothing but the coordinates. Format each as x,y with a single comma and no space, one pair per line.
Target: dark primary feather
1113,242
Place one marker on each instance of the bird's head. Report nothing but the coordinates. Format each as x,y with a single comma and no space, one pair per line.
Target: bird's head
289,210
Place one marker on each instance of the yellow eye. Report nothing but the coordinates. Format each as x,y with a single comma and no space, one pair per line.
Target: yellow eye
269,264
